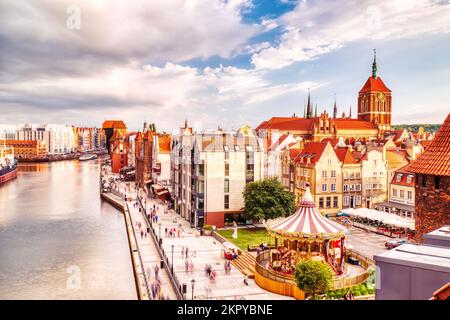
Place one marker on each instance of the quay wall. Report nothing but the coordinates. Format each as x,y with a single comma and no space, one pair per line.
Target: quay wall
142,287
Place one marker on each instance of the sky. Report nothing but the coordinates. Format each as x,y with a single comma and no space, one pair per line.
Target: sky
214,63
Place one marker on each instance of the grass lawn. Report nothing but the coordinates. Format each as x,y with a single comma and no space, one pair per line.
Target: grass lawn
247,237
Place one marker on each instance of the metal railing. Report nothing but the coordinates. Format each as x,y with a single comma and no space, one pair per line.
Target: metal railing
172,276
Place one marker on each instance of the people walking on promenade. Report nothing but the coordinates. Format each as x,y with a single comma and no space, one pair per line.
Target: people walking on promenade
246,280
187,252
191,266
166,232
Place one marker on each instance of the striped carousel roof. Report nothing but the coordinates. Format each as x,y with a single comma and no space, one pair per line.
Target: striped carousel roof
306,221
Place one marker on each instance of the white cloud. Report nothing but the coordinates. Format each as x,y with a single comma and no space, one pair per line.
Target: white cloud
319,27
163,91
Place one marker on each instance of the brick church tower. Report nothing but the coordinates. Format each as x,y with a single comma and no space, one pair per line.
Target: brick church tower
375,101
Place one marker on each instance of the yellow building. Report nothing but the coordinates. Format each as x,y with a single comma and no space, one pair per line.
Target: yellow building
27,148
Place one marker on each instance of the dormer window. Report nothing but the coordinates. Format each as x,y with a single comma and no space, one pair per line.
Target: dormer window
409,178
399,177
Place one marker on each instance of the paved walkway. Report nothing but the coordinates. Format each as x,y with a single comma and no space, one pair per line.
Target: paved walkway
145,244
202,250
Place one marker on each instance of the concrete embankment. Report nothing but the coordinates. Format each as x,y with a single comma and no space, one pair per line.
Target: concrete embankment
142,286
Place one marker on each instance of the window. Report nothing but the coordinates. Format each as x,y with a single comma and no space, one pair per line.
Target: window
329,160
409,195
399,177
437,182
324,187
333,173
335,202
358,175
345,200
394,192
409,179
324,174
227,169
402,193
374,174
375,186
226,186
381,173
368,186
345,187
358,200
321,202
227,155
358,187
333,187
227,202
328,202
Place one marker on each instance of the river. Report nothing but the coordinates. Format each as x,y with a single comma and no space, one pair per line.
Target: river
58,240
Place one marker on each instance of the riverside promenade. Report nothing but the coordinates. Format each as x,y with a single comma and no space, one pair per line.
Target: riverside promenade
143,249
202,250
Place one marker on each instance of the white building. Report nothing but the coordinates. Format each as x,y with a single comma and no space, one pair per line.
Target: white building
161,159
221,164
374,177
7,132
59,139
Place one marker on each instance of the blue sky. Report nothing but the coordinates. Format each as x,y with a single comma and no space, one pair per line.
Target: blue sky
219,63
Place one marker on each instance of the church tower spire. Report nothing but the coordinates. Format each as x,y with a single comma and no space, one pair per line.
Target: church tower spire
308,108
374,64
335,107
350,113
315,111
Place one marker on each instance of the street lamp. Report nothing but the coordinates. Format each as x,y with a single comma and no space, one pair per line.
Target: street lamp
172,258
193,284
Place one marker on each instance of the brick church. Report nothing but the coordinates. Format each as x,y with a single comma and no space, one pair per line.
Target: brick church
373,118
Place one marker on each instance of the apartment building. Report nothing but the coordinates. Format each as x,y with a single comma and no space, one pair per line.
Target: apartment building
351,177
221,163
374,176
59,139
161,159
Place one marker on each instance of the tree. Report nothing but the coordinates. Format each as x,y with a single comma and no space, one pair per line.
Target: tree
267,199
314,276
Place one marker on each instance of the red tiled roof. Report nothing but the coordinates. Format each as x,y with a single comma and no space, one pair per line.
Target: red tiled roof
312,150
374,85
353,124
293,153
425,143
333,141
435,160
114,124
287,123
346,156
404,172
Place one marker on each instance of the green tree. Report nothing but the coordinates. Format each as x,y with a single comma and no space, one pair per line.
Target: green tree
314,277
267,199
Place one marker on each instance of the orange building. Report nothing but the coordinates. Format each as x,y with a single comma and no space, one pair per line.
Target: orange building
118,152
110,127
27,148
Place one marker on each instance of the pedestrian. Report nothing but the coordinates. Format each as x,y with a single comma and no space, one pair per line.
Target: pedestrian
178,233
187,252
142,234
191,265
246,280
182,252
186,265
166,232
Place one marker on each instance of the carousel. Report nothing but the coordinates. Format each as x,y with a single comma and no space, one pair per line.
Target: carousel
306,235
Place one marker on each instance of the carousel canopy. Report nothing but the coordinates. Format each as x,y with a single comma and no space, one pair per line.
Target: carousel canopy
306,221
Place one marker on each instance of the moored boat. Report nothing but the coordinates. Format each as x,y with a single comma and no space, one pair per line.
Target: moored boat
87,157
8,165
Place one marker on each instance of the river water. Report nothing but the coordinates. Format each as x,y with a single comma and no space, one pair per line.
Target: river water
58,240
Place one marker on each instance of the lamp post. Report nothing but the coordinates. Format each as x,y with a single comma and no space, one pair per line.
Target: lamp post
193,284
171,267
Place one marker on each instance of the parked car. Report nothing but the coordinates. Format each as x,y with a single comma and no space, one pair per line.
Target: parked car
393,243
